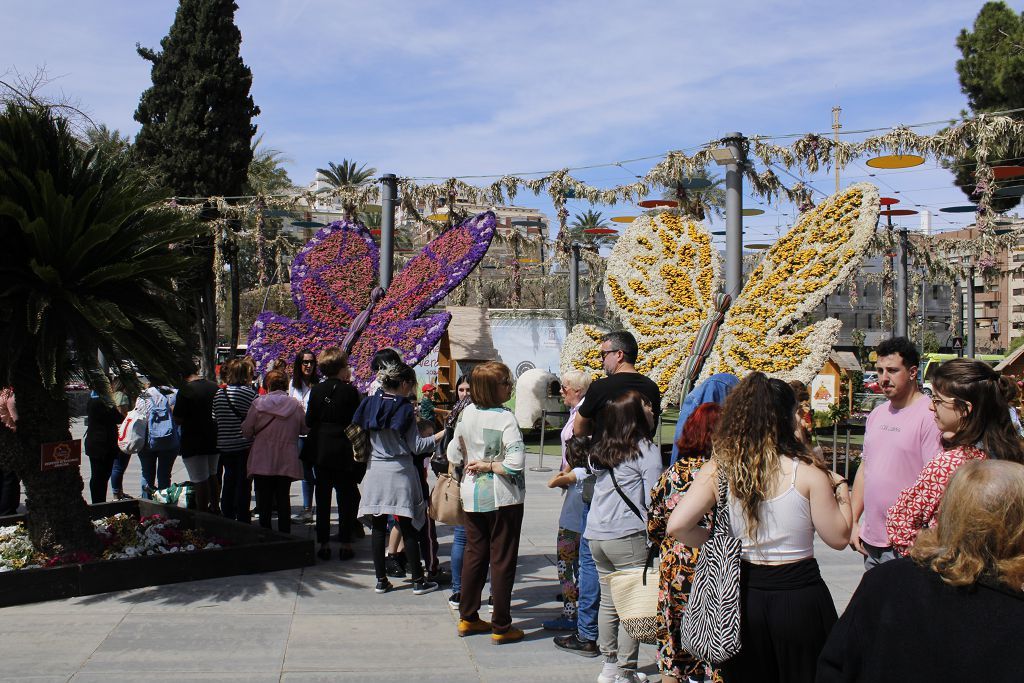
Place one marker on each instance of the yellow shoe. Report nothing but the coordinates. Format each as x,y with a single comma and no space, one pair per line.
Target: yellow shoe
468,628
512,635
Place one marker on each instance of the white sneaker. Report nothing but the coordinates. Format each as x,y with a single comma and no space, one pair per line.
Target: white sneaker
623,677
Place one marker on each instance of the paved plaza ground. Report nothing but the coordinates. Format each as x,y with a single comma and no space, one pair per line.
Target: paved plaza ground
321,623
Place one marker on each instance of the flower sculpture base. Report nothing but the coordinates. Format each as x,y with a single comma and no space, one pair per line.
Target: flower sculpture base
247,549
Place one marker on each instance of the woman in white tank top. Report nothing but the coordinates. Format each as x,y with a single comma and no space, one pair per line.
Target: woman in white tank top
778,499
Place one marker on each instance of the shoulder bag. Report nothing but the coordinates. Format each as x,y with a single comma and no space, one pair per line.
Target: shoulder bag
711,622
445,505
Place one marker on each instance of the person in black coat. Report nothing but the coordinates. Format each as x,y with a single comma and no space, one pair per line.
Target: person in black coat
332,403
953,609
102,421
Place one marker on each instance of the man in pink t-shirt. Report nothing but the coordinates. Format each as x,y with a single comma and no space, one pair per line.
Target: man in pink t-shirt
900,438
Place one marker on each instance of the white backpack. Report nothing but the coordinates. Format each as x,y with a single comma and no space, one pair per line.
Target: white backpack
131,435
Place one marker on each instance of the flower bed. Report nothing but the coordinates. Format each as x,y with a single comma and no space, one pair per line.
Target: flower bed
144,544
123,536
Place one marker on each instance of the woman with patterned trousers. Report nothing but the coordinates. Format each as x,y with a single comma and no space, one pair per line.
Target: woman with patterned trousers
677,560
487,441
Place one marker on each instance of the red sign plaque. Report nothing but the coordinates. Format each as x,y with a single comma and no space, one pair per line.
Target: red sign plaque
60,454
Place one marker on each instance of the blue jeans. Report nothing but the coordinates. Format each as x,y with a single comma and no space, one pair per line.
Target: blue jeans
458,550
308,481
117,473
589,602
156,470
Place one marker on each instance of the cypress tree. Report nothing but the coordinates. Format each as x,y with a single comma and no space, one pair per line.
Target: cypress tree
197,128
197,117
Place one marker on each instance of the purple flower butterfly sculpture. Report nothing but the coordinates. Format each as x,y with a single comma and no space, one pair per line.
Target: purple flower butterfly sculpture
334,280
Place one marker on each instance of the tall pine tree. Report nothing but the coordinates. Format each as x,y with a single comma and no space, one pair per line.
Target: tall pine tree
197,124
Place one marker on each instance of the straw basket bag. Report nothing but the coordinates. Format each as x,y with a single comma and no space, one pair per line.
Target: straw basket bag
635,594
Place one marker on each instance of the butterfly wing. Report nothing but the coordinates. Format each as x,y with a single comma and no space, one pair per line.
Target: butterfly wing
761,332
333,274
438,269
662,277
581,350
274,336
413,339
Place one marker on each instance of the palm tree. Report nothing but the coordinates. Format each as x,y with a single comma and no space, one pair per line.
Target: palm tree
89,265
267,174
347,177
697,203
589,220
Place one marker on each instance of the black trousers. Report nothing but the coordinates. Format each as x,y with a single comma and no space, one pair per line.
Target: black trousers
236,487
379,542
786,616
10,493
428,533
344,484
272,492
100,468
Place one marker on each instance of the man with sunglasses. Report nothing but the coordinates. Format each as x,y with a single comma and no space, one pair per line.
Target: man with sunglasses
618,356
900,438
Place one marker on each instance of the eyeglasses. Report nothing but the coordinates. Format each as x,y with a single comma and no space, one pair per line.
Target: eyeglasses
605,353
937,400
308,362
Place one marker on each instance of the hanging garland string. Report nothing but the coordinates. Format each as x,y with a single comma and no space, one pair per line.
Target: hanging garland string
987,137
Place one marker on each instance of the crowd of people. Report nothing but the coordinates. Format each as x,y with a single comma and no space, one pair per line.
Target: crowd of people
936,508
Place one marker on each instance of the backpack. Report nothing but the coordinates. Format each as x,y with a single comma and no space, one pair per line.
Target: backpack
131,435
163,435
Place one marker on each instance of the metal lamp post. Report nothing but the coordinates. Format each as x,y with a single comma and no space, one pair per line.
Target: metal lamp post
733,156
388,193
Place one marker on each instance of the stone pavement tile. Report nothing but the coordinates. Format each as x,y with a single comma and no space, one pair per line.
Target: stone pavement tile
175,677
371,642
270,593
51,644
382,673
204,641
34,679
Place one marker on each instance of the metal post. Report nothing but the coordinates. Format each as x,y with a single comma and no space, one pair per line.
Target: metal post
901,283
388,193
970,312
574,284
734,215
543,425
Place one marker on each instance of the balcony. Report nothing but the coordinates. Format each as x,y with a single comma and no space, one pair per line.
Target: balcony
988,297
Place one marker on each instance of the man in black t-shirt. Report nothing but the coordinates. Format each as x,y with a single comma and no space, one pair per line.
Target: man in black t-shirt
193,411
618,355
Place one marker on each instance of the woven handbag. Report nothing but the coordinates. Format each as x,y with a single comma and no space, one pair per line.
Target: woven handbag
636,600
711,622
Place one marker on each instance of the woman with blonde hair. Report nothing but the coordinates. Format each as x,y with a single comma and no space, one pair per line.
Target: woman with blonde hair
960,591
488,443
777,499
574,385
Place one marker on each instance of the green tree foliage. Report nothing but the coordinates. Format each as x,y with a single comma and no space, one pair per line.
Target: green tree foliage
197,128
589,220
88,265
267,174
197,117
991,73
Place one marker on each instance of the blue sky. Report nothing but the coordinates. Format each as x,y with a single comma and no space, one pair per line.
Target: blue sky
433,88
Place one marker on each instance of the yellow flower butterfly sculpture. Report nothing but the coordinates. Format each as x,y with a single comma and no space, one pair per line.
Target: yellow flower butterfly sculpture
663,275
